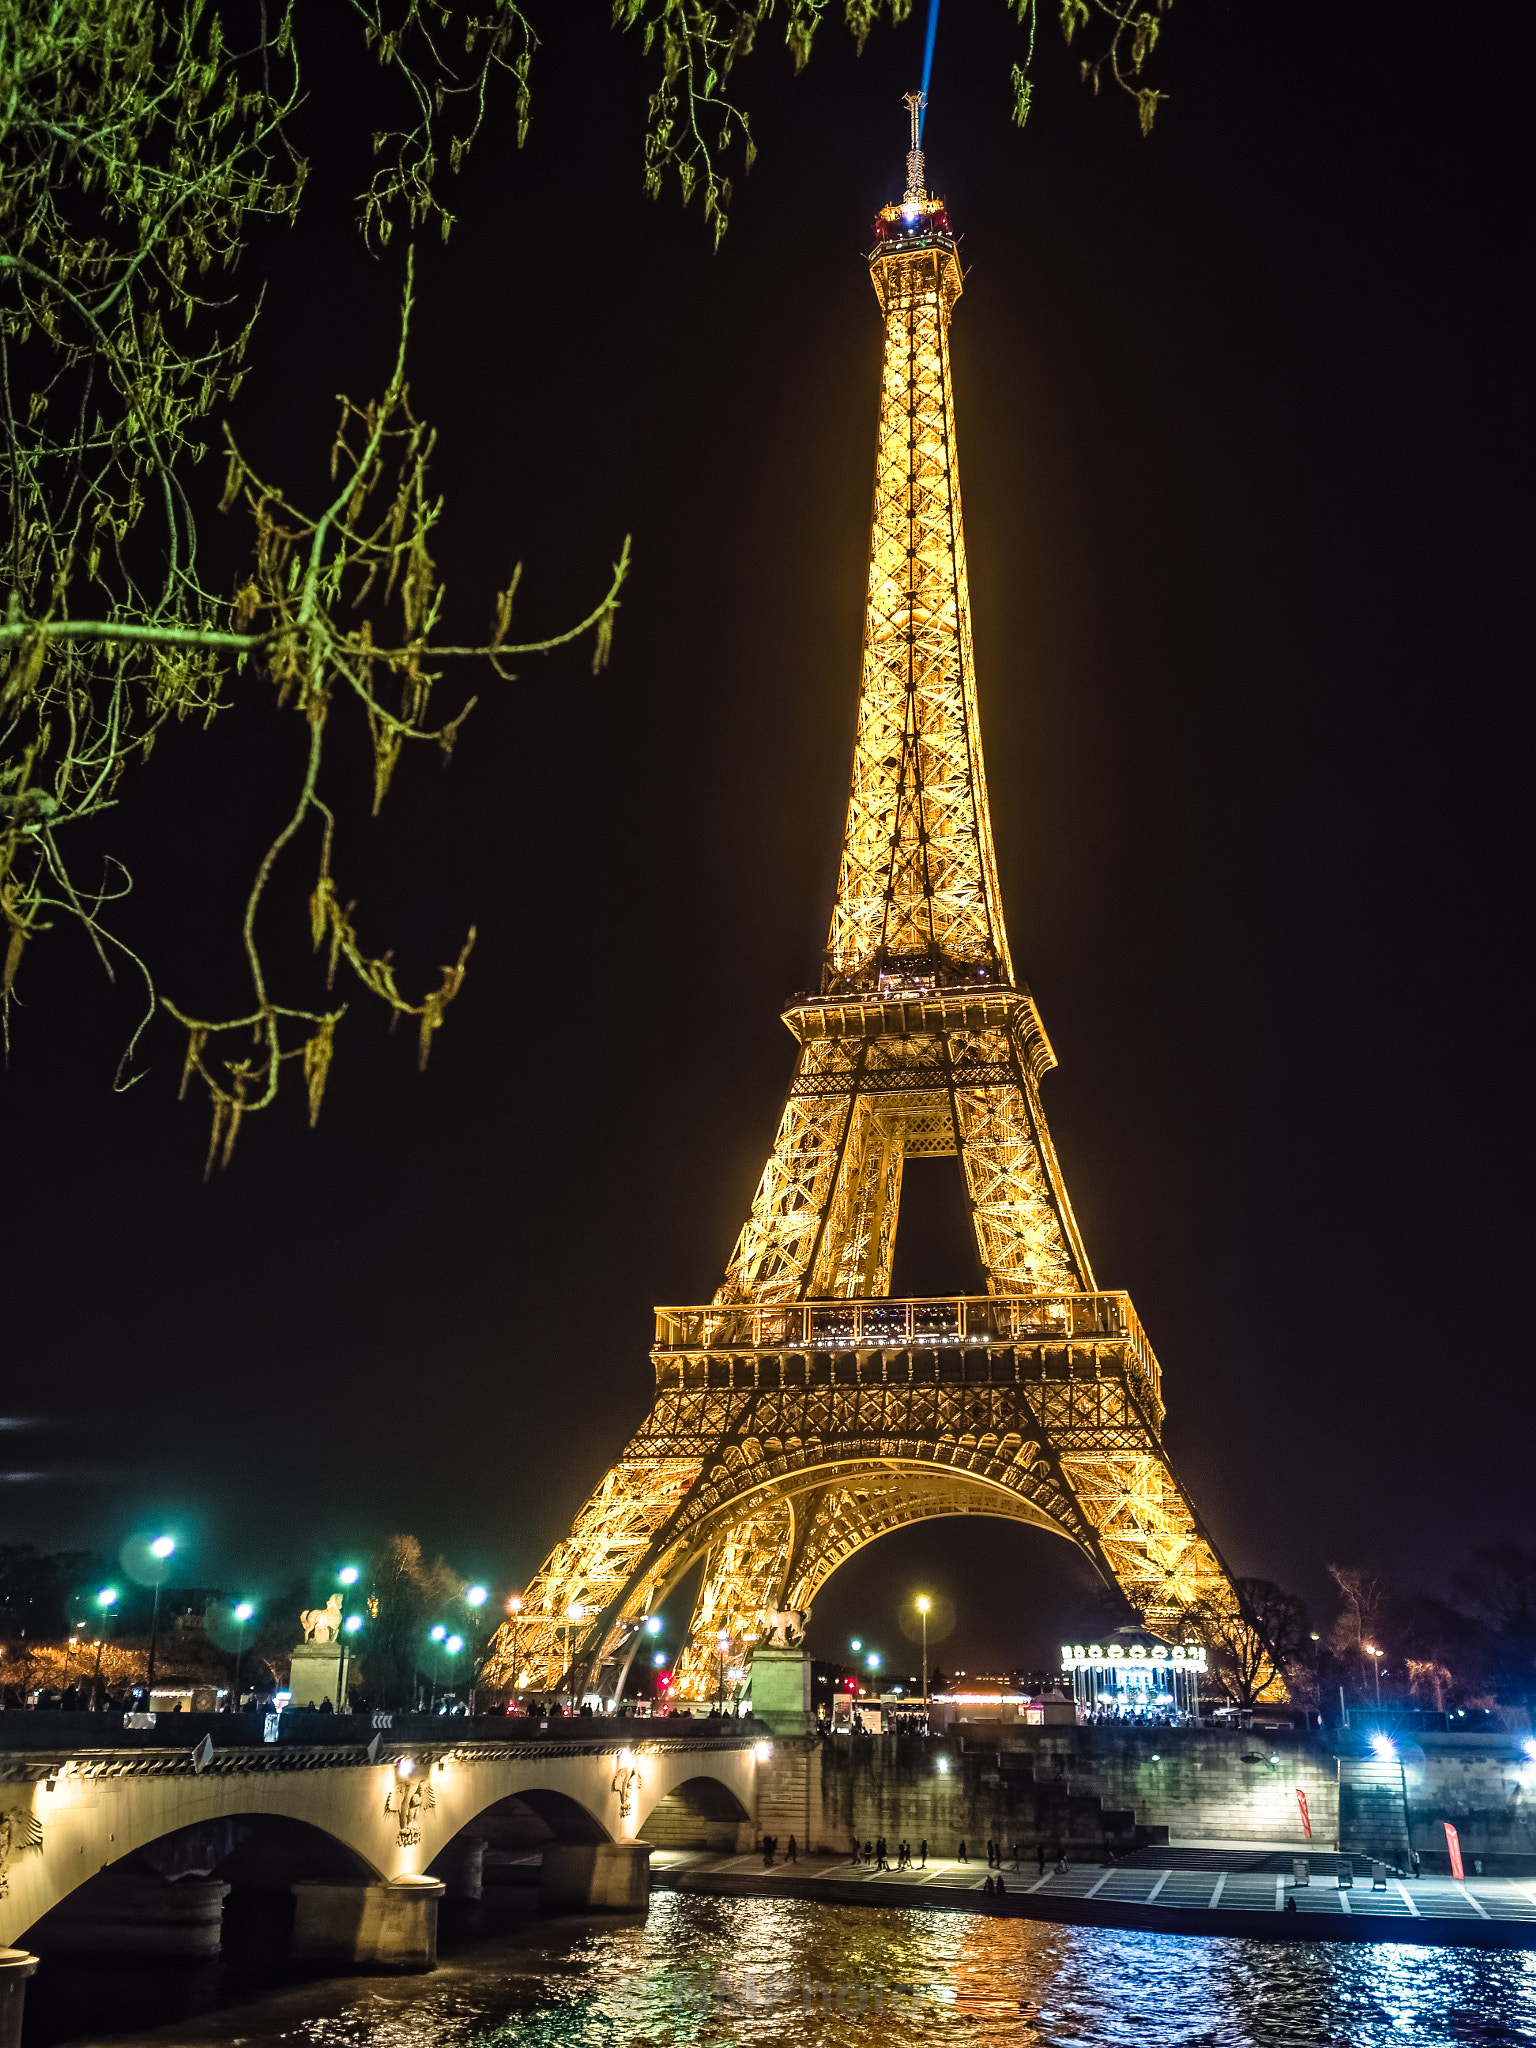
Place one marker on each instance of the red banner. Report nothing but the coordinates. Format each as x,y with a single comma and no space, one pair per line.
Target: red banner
1306,1818
1453,1843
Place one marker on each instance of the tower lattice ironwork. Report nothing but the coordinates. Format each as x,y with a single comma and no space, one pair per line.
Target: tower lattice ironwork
804,1412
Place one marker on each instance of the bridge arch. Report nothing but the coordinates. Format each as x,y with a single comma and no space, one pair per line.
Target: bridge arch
699,1813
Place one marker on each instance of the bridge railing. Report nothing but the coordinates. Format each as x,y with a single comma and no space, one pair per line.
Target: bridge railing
41,1743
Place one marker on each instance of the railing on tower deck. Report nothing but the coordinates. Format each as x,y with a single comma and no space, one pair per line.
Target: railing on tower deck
877,1323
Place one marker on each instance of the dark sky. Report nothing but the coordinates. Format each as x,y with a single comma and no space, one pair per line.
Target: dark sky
1244,421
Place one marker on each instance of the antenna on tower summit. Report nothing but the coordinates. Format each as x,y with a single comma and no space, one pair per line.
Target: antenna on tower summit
914,102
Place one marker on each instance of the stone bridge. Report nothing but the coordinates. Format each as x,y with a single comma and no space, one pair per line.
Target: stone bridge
128,1840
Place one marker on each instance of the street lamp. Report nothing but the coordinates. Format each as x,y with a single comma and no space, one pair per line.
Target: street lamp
349,1575
475,1598
722,1644
161,1548
923,1604
575,1612
515,1609
106,1600
1376,1656
243,1612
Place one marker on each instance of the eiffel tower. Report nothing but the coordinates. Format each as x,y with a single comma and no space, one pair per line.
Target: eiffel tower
804,1412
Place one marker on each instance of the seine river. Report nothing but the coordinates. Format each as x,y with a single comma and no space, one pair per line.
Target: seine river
705,1971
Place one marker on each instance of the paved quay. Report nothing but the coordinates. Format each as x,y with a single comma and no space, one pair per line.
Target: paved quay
1247,1890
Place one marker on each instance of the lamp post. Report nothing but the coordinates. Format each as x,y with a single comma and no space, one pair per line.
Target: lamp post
515,1609
106,1600
722,1644
475,1598
575,1612
349,1629
162,1548
923,1604
348,1576
1376,1657
439,1636
243,1612
451,1648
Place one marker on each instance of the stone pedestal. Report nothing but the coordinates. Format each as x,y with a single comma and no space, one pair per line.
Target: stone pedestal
16,1966
121,1913
315,1674
461,1866
781,1689
596,1877
389,1926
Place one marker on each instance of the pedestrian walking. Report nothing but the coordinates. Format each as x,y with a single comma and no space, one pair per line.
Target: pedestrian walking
922,1853
960,1855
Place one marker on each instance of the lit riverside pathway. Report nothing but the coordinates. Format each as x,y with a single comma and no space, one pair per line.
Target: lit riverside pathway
1161,1889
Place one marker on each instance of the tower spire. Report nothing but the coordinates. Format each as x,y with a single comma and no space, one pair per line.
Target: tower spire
917,895
914,102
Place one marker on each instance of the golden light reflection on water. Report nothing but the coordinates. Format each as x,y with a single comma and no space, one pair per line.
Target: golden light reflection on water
715,1973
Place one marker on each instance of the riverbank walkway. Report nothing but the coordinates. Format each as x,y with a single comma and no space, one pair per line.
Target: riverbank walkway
1191,1889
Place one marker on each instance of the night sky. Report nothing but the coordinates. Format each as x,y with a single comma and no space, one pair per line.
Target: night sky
1244,417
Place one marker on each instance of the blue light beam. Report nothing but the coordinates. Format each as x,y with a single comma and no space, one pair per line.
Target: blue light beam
933,29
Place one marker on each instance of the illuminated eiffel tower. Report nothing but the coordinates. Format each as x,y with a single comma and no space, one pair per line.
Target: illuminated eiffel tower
804,1412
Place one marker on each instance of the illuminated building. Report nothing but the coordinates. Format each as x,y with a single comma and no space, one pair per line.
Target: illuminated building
804,1412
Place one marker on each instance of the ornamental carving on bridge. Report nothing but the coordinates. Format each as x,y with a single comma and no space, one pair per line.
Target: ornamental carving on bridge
407,1799
20,1830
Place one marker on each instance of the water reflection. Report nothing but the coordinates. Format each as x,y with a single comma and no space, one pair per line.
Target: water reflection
703,1972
